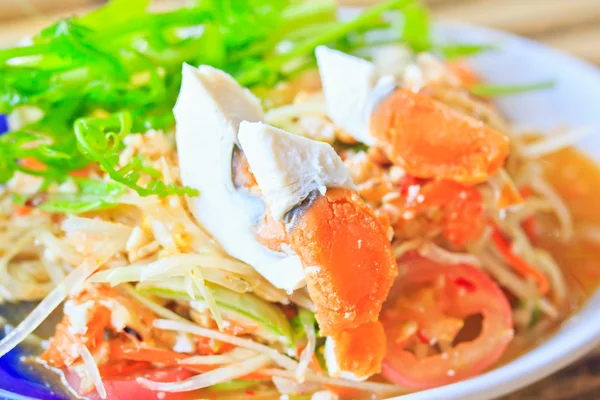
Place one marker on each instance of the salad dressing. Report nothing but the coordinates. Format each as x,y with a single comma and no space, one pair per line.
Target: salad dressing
576,178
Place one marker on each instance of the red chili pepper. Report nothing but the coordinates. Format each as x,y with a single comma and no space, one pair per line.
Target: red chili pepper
422,338
406,182
467,285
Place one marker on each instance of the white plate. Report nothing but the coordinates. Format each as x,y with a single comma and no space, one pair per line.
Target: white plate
574,101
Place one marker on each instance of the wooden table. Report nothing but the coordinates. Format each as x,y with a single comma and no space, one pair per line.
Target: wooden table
570,25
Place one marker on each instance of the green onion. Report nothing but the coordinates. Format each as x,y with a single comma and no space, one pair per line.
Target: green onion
492,90
458,50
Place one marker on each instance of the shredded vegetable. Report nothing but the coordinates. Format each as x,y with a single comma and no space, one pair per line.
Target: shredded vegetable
375,387
213,377
434,252
72,282
308,323
553,143
234,355
518,263
490,90
92,368
279,358
198,279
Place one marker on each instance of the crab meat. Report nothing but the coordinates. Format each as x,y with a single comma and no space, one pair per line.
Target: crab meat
208,112
427,138
287,196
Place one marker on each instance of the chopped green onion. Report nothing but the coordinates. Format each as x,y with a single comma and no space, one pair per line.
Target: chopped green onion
416,27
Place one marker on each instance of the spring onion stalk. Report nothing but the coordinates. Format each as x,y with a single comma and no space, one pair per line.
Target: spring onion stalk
492,90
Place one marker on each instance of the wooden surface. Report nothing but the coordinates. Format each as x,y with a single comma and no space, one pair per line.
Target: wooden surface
570,25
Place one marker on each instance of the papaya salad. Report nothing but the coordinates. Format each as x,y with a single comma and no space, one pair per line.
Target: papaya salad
269,201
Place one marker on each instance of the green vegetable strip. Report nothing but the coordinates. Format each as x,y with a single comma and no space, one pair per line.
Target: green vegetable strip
91,196
492,90
266,315
99,143
234,385
251,77
453,51
126,61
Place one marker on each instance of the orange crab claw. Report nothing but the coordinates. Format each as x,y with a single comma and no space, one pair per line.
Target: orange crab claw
347,257
431,140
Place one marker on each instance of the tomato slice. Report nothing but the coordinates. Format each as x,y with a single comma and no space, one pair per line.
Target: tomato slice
125,387
424,349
